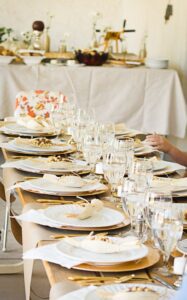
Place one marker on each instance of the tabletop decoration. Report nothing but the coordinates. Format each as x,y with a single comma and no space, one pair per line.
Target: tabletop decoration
75,217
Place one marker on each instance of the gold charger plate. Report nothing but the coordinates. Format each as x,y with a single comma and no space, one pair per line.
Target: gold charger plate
24,134
73,194
81,172
118,226
46,153
151,259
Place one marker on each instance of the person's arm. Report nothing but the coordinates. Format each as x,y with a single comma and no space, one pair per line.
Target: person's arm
162,144
179,156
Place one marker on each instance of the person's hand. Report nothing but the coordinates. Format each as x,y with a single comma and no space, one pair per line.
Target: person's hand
159,142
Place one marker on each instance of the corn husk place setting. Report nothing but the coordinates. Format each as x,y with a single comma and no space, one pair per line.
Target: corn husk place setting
37,146
31,128
130,291
77,216
57,165
98,253
63,186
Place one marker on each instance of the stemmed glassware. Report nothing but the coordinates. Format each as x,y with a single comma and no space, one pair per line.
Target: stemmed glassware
92,149
134,205
126,146
167,229
114,168
141,171
57,116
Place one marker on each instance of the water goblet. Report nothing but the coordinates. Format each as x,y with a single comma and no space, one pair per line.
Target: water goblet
57,116
141,172
167,229
134,205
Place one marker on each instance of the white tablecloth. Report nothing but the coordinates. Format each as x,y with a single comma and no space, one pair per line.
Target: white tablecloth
145,99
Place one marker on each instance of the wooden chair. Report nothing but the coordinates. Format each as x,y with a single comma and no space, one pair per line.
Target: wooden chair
16,230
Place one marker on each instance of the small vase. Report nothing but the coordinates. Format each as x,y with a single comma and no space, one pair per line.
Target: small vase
46,41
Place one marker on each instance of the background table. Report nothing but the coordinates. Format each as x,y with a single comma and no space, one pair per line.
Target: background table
145,99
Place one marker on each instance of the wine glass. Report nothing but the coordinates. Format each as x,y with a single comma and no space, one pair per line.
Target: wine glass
134,205
57,116
157,198
92,149
114,169
127,147
141,172
167,229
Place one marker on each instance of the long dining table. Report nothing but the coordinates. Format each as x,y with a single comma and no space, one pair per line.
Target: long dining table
34,235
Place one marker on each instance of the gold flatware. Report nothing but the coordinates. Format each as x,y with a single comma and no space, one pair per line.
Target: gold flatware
104,280
60,201
62,236
99,278
30,177
20,157
83,199
95,280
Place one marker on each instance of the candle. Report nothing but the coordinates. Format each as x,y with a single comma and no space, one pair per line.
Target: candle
99,168
179,264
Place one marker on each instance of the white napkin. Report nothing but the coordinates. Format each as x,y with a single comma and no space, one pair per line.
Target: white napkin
104,245
36,216
78,294
170,183
19,162
69,181
12,163
27,185
52,254
33,123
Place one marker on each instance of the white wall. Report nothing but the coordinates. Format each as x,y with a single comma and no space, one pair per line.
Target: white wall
74,16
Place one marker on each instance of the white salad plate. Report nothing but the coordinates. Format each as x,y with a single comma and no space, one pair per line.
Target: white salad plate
29,149
43,186
182,246
104,218
101,258
41,165
16,129
100,293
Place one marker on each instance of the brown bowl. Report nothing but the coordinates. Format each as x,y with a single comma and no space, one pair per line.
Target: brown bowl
91,58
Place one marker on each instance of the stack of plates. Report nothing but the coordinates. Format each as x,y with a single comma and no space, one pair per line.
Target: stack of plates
13,146
13,128
116,291
102,259
47,187
41,165
156,63
101,220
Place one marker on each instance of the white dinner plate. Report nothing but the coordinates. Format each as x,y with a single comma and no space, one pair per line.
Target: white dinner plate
16,129
28,149
174,185
114,289
104,218
126,133
159,166
143,151
42,166
101,258
182,246
43,186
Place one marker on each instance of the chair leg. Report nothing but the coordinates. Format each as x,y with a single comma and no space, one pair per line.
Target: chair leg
5,229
